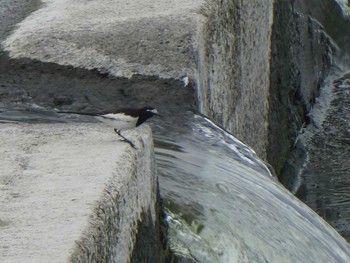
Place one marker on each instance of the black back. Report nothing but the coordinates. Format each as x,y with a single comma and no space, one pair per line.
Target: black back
143,114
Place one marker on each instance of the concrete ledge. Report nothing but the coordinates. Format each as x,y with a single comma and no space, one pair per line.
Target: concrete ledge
73,192
122,38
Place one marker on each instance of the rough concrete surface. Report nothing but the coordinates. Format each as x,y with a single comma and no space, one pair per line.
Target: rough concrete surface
12,12
73,192
301,57
234,69
120,37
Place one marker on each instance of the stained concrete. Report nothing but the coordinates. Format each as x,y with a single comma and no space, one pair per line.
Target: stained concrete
74,192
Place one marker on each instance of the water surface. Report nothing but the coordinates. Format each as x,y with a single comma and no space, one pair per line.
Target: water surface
224,205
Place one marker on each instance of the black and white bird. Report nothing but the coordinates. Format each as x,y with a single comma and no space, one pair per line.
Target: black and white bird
123,119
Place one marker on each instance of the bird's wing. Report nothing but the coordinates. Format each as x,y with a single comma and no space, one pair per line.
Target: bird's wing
119,120
118,116
79,113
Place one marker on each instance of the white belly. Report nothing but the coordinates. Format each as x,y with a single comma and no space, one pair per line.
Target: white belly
118,121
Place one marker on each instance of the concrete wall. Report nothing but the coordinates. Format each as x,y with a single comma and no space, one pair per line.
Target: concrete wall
261,67
234,68
74,192
302,54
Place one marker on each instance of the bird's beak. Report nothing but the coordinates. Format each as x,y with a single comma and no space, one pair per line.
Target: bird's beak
155,112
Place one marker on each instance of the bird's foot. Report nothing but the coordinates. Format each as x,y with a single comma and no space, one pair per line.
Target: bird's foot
125,139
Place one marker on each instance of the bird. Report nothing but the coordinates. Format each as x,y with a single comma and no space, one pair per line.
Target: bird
123,119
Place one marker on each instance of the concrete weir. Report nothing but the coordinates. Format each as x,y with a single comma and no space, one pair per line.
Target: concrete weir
74,192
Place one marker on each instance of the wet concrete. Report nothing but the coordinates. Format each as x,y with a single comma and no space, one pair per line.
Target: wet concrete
313,160
24,82
301,57
325,177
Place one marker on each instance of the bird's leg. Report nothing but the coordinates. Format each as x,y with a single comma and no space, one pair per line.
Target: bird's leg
125,139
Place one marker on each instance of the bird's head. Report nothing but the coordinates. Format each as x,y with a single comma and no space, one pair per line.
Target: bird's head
150,111
146,113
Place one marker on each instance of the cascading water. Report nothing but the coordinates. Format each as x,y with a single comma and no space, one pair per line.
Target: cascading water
223,204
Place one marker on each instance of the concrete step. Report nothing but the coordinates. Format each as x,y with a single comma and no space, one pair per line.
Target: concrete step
74,192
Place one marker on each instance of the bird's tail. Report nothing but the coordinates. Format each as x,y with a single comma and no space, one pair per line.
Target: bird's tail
78,113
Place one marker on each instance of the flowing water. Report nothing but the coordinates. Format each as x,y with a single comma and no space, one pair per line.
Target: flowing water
221,202
224,205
